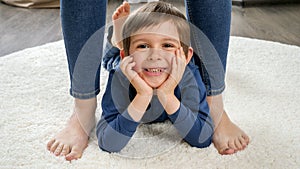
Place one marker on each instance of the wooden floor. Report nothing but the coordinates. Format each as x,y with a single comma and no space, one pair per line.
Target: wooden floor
22,28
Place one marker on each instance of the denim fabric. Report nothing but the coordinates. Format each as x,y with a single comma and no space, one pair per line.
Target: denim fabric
210,40
83,21
83,27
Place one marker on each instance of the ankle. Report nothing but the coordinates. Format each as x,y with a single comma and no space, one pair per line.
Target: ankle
216,108
84,113
85,105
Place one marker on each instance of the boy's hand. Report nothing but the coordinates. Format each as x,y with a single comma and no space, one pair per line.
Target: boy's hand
138,83
177,70
165,92
139,104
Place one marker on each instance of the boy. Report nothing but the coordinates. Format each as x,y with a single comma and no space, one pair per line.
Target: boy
154,73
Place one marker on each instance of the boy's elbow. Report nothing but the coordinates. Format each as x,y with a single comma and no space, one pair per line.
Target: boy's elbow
105,146
105,141
205,144
206,135
110,143
204,138
201,143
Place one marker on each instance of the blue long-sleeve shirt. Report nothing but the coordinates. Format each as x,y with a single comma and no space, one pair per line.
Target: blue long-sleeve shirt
192,119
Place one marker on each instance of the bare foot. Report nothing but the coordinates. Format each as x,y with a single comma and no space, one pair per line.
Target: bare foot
119,17
228,138
73,139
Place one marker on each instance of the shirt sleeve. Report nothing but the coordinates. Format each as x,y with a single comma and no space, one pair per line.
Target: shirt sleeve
116,127
192,119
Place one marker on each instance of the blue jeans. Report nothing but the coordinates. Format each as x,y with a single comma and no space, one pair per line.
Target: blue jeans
83,26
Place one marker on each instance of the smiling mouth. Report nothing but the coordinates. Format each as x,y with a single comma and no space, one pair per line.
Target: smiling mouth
155,70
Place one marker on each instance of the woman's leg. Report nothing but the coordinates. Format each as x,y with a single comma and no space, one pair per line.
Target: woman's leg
213,18
83,28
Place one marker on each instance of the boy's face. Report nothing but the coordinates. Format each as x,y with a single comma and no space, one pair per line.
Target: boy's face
153,49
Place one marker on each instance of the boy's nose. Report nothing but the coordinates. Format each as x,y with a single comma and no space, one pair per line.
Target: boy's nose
155,54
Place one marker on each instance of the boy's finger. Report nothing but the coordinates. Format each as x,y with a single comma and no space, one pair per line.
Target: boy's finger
124,63
174,70
127,60
174,65
129,70
178,55
182,54
130,66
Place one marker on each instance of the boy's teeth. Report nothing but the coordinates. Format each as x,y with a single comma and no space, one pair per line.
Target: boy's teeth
155,70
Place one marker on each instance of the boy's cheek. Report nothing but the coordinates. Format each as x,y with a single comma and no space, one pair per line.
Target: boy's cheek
137,68
139,57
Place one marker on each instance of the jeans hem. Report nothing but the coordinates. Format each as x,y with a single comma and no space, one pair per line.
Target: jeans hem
214,92
84,95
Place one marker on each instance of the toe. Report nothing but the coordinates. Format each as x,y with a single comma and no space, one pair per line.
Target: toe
126,7
54,146
225,148
246,138
243,141
238,144
228,151
50,143
58,149
120,10
76,152
231,144
65,150
115,16
221,146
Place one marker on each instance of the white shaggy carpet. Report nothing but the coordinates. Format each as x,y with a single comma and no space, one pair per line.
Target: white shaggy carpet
262,97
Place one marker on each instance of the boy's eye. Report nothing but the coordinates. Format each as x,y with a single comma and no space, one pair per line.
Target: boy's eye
168,45
142,46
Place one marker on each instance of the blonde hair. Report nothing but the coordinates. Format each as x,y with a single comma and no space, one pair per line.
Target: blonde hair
153,14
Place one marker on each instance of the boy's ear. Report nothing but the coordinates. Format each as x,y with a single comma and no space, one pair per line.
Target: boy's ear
189,55
122,53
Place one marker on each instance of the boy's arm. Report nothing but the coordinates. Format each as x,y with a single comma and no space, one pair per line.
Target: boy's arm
117,123
138,106
192,118
165,92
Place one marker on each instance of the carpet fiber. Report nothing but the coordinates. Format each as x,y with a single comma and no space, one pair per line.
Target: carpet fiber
262,97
